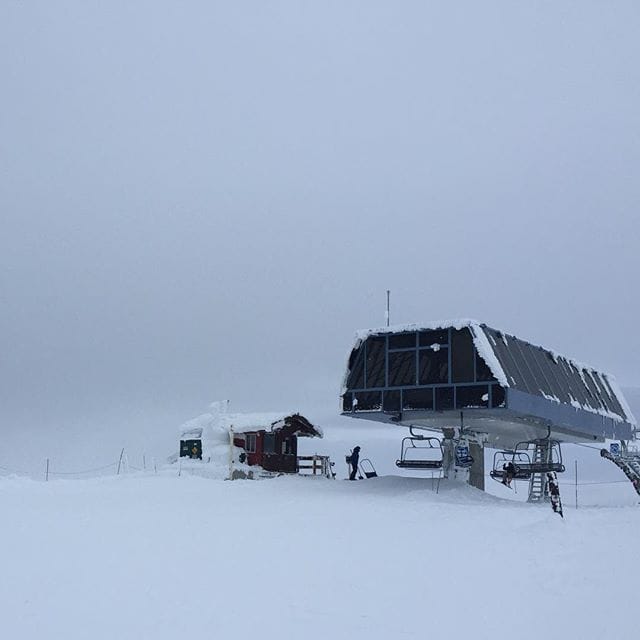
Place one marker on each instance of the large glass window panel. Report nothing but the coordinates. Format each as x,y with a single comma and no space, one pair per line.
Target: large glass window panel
444,398
498,396
439,336
417,399
402,340
402,368
434,366
462,356
369,400
375,361
356,369
476,396
347,402
391,401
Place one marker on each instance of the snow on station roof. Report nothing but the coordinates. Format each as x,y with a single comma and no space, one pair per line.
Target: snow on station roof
523,369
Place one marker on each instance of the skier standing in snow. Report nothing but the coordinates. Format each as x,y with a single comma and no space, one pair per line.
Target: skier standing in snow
355,457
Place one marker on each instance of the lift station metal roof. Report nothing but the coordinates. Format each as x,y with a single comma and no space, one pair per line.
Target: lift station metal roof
438,373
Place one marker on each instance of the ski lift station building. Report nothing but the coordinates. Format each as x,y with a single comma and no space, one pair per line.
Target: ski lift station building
463,373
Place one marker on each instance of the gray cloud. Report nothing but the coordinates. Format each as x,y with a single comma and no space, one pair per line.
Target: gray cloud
205,200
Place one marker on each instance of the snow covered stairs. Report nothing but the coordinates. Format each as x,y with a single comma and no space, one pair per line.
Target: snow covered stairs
538,483
629,463
537,487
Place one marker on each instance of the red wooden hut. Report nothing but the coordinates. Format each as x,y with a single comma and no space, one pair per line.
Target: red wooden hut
274,447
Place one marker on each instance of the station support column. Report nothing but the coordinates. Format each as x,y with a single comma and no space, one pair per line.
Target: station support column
476,473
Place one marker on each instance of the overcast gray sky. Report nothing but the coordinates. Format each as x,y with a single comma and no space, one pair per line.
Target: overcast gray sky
205,200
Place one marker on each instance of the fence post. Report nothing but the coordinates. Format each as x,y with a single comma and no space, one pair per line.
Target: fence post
46,473
120,462
144,462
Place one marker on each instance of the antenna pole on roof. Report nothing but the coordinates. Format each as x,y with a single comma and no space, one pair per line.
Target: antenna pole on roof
387,314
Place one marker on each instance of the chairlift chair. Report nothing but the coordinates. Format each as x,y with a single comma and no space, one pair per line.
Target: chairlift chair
521,463
418,451
525,462
532,448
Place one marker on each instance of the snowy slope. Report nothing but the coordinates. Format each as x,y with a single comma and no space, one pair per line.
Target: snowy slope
158,556
162,557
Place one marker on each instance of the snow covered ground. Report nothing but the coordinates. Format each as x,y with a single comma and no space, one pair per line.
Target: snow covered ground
154,555
157,556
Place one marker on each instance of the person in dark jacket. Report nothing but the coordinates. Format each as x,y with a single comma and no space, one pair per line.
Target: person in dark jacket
509,473
355,457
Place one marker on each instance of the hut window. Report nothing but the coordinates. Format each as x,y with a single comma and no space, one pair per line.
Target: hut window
250,443
269,443
287,447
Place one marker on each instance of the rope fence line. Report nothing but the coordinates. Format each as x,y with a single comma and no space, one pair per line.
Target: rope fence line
580,484
28,473
130,467
120,466
77,473
587,446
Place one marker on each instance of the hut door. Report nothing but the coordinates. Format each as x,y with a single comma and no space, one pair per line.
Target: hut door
289,446
270,458
289,454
